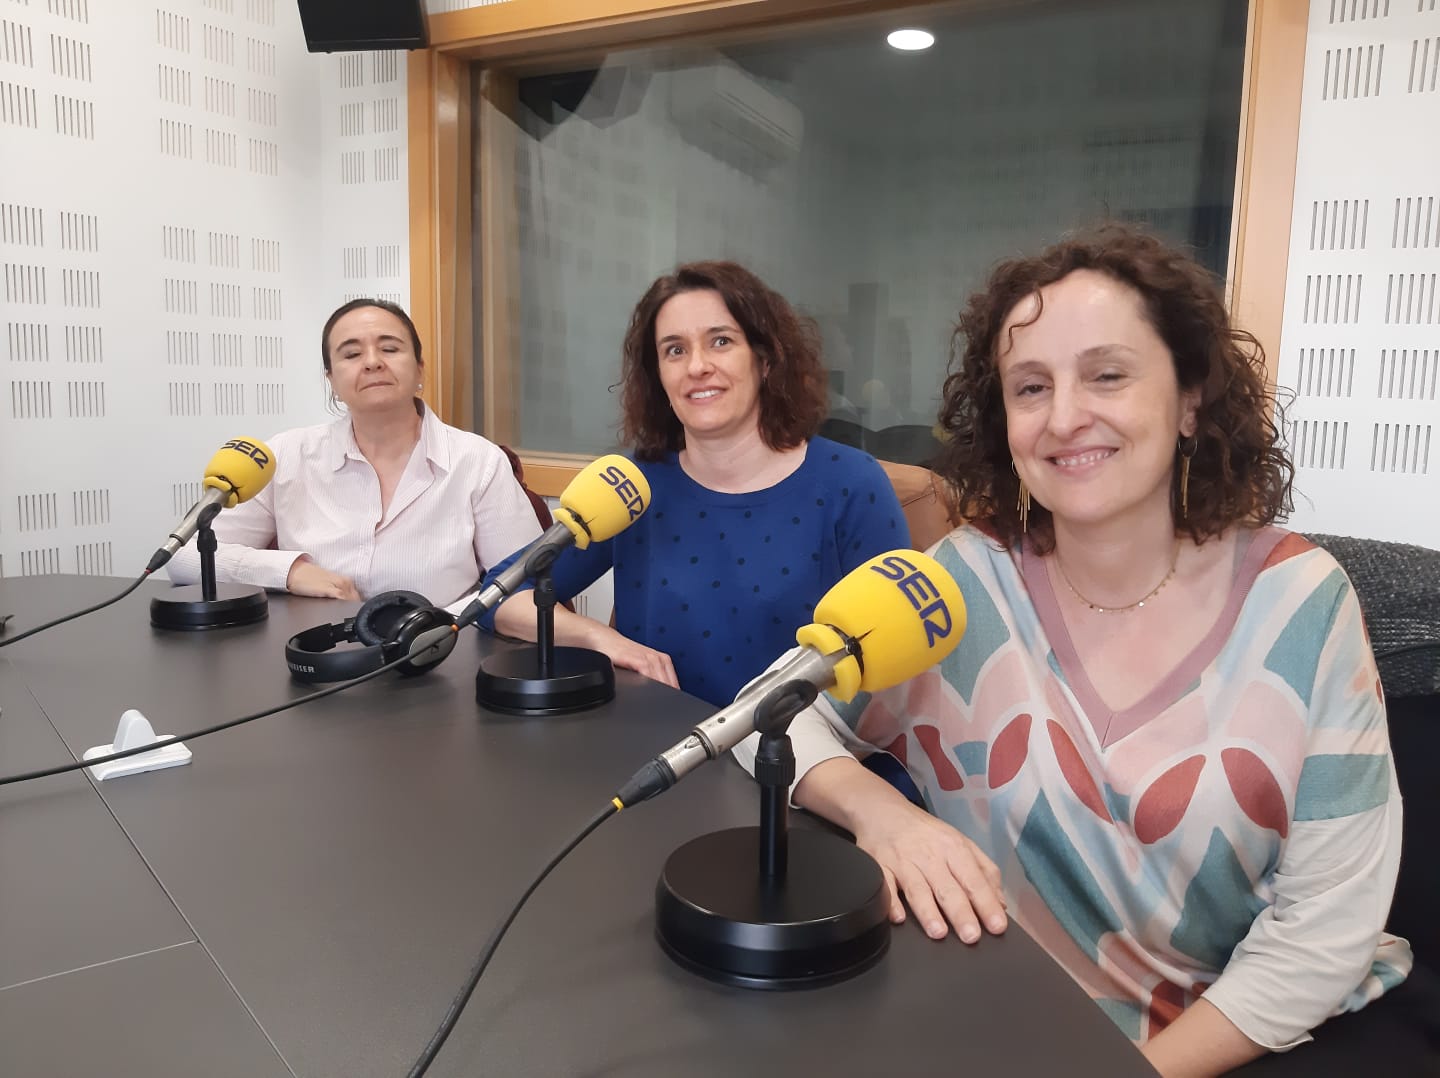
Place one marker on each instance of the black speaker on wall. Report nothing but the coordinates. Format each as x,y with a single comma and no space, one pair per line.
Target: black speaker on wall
359,25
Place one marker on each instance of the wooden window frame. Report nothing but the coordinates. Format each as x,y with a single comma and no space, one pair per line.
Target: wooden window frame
520,32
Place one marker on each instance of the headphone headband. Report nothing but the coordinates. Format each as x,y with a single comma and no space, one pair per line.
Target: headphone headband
311,655
387,626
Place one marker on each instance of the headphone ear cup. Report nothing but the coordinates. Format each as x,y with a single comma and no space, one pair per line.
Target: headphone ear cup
412,626
378,619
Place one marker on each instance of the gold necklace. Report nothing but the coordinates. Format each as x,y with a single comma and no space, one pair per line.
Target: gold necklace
1137,604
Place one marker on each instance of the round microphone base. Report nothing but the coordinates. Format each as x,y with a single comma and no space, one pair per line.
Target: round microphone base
186,608
510,682
824,922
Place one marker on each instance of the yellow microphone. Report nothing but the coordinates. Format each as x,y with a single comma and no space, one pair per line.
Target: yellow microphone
237,472
887,620
240,470
606,497
904,611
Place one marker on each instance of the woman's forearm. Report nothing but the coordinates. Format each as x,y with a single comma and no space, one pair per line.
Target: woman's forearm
516,618
1201,1043
845,792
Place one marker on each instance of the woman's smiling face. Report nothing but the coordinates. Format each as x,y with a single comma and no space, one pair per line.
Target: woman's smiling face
1092,405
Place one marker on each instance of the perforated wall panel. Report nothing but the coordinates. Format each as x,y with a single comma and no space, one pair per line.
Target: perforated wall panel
169,251
365,217
1360,347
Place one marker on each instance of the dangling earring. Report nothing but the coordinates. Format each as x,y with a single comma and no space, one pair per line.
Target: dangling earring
1022,501
1187,452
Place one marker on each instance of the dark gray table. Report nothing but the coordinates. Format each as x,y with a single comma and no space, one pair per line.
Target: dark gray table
307,895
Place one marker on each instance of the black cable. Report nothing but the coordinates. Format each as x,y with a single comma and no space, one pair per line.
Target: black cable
123,753
5,643
462,997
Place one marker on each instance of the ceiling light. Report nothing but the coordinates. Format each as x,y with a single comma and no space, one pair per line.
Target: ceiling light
910,39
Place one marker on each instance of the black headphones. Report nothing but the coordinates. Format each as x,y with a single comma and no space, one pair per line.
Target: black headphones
387,626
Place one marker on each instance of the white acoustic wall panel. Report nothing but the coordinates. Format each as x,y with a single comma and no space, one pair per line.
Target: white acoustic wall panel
1360,348
169,251
365,217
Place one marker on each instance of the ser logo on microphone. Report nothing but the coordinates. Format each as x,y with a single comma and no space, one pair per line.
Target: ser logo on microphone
625,487
250,449
922,595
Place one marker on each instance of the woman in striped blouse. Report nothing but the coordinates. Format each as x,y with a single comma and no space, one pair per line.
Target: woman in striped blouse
384,498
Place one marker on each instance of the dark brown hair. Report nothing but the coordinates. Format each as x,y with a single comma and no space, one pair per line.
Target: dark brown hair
1239,473
354,305
786,346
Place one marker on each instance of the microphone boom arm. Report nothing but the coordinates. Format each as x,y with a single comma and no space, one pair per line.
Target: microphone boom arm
540,556
198,518
731,725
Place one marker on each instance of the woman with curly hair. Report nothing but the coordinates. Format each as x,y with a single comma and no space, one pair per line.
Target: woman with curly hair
1161,744
753,517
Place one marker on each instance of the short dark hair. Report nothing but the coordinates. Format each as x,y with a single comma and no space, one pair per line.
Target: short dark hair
1240,473
786,344
354,305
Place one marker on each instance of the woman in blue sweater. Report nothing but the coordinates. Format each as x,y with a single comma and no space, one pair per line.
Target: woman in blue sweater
753,518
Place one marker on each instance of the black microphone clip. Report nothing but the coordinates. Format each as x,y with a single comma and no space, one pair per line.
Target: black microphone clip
781,704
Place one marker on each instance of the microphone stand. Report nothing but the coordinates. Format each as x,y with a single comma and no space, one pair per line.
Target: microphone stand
545,679
728,907
208,605
775,771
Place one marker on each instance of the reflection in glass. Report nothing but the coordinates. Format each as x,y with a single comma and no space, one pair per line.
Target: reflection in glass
874,188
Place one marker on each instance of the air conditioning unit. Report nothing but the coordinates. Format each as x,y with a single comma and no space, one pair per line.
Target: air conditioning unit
731,115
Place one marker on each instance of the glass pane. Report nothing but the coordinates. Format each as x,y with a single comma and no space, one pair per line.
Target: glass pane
873,187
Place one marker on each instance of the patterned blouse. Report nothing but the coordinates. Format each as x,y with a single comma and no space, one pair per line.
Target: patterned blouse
1235,833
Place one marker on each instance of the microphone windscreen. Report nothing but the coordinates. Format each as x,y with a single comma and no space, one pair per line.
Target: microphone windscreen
241,469
603,499
904,609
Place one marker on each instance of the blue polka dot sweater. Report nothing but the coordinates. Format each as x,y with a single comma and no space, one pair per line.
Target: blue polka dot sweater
720,582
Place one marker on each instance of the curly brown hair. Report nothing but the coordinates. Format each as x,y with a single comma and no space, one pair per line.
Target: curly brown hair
786,346
1239,473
